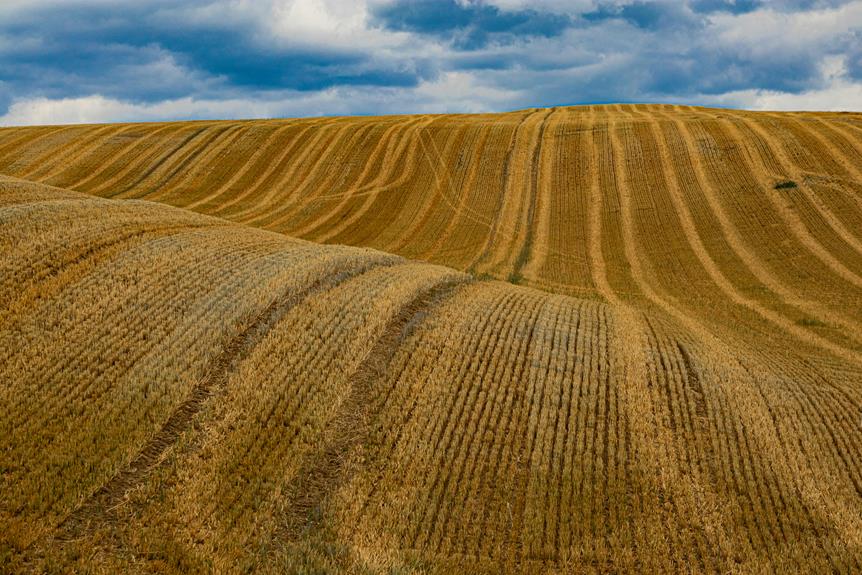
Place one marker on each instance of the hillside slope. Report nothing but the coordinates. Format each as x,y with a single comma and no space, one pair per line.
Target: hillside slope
184,394
739,221
590,339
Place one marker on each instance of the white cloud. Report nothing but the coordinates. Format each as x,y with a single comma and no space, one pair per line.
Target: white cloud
463,92
840,96
450,92
98,109
556,6
839,93
767,31
333,25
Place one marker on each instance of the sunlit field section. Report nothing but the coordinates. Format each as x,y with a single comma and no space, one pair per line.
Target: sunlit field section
739,219
571,340
507,195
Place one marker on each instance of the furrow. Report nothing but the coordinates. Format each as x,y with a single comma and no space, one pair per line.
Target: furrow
216,375
751,260
525,253
322,473
399,162
127,160
168,163
371,167
52,157
327,169
199,160
505,178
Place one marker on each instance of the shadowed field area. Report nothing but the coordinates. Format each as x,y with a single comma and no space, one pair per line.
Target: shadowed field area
590,339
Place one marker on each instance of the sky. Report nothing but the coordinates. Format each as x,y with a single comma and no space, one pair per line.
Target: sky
72,61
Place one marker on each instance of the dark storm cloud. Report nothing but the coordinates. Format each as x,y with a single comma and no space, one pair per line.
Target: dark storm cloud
469,26
647,15
732,6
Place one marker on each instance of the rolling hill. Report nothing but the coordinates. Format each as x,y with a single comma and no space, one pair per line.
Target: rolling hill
587,339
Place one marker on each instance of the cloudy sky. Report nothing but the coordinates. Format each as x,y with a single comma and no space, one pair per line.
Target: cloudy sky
113,60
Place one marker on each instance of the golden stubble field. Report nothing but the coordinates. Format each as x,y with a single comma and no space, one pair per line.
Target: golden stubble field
569,340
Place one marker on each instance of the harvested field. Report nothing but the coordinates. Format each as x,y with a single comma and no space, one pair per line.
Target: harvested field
569,340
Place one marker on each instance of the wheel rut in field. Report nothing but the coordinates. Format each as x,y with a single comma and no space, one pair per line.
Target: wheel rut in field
49,282
327,468
495,220
516,275
97,508
164,159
